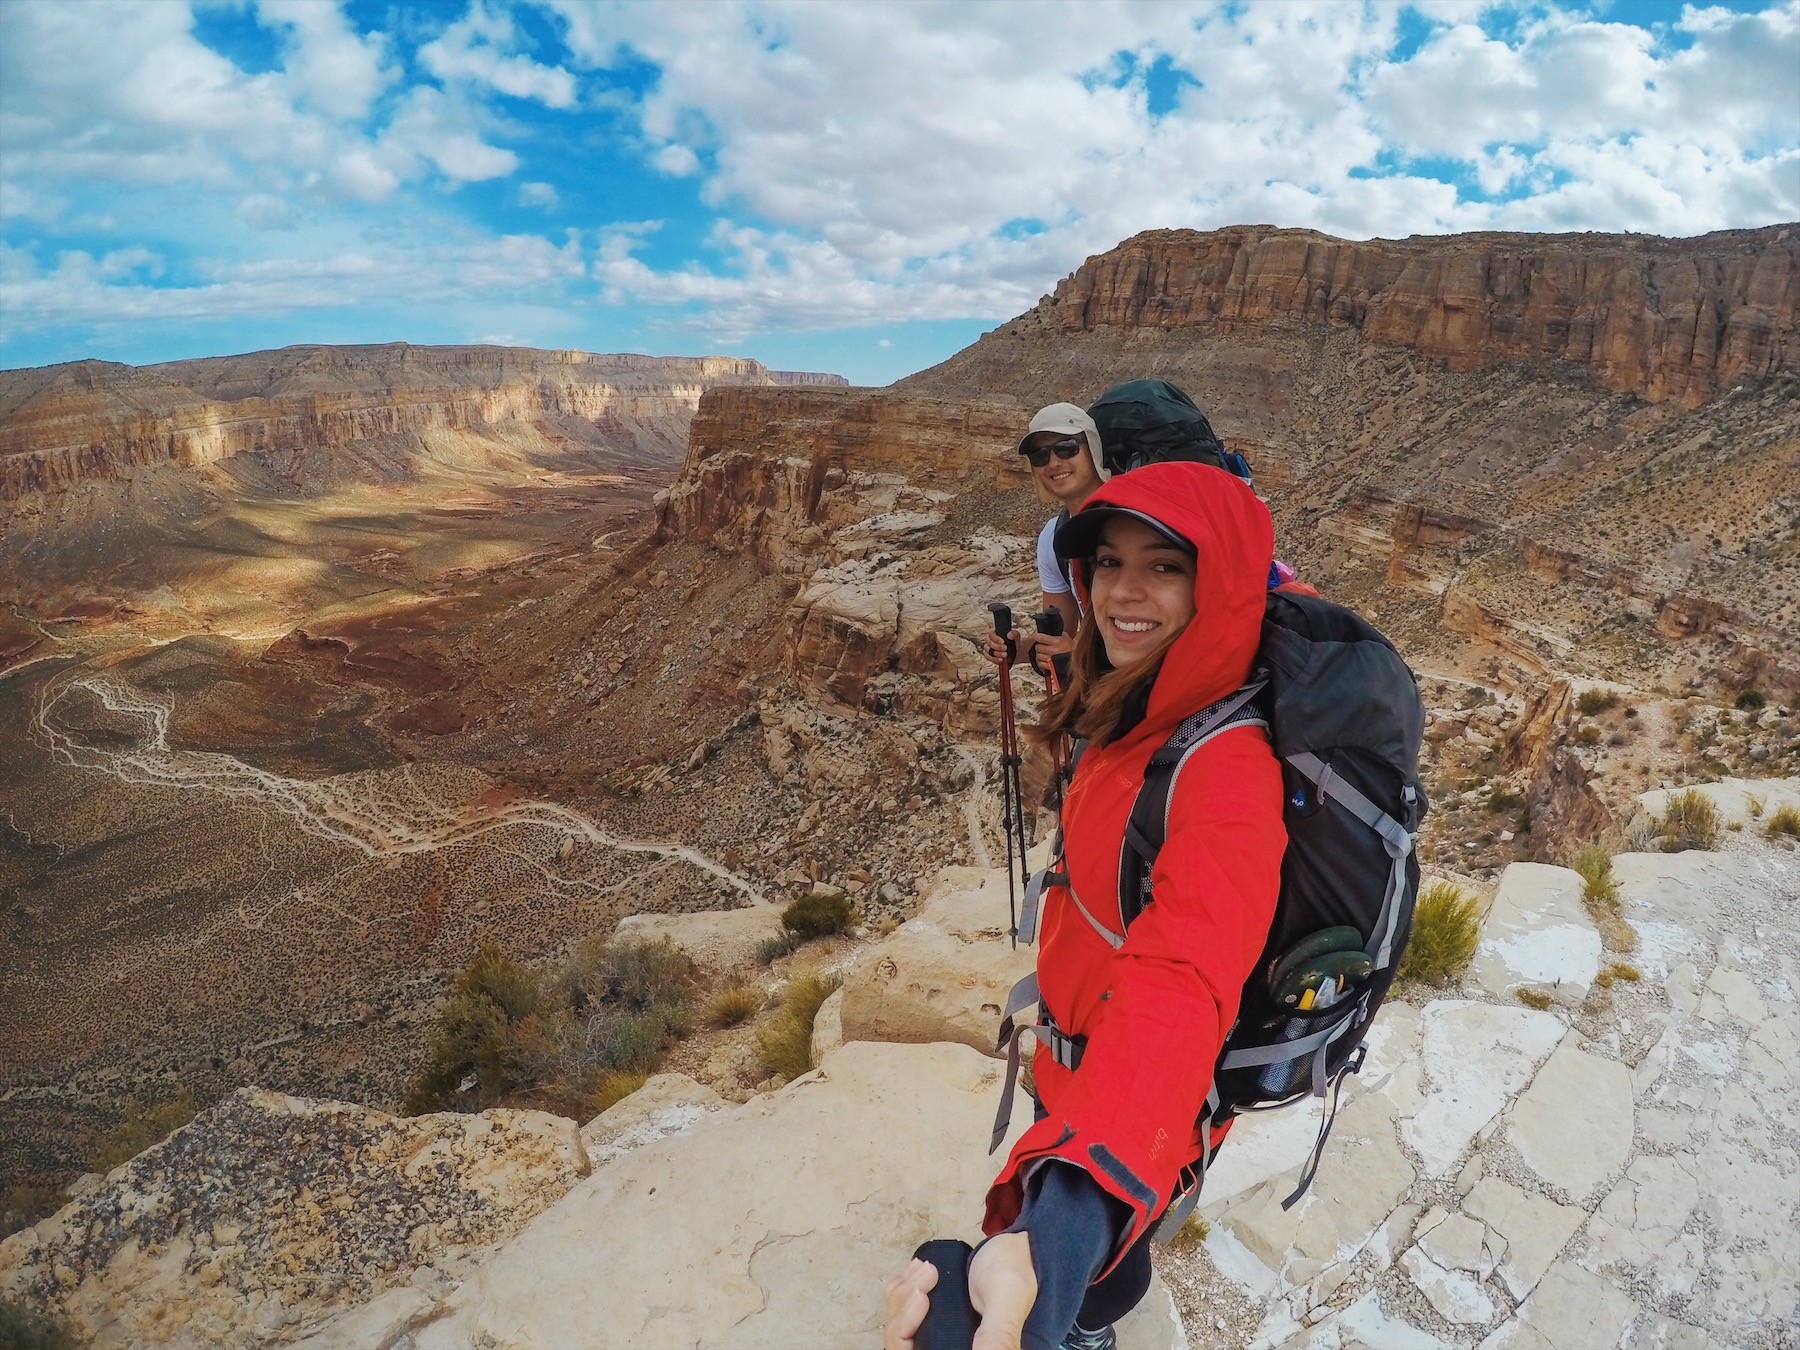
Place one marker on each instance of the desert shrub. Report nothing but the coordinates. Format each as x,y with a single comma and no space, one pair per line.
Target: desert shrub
1503,800
1750,700
24,1328
816,915
1533,998
142,1126
489,1030
614,1006
732,1003
1689,820
784,1045
1588,734
1785,822
1592,701
1446,926
772,949
1592,862
614,1088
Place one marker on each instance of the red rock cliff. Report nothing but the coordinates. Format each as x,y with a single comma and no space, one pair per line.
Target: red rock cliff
1670,319
92,419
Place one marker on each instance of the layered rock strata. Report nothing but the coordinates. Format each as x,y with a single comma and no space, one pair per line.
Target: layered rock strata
1681,320
301,407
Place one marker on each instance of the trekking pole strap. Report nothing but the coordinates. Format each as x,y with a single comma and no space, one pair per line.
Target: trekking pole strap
1394,837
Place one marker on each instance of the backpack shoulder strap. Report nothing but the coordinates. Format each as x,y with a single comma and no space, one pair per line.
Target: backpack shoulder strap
1148,825
1062,563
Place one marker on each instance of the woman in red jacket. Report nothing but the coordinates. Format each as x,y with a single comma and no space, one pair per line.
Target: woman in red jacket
1174,559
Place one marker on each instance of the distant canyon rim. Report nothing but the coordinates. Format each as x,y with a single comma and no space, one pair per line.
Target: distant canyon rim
319,666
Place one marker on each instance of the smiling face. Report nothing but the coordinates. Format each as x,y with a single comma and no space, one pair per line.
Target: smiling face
1142,590
1070,481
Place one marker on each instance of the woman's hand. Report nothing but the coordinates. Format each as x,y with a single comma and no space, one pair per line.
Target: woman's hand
1002,1286
995,646
1044,646
907,1303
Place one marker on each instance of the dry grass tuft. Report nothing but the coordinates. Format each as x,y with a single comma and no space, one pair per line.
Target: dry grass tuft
1689,820
1533,998
615,1087
1446,927
772,949
1785,823
784,1044
733,1003
1190,1235
1600,896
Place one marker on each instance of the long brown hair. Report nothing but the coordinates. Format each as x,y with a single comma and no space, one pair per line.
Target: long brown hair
1093,703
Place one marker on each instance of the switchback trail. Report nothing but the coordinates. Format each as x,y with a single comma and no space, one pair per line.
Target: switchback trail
380,814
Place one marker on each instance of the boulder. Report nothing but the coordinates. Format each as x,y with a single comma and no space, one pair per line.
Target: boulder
1537,933
943,975
774,1225
721,940
668,1103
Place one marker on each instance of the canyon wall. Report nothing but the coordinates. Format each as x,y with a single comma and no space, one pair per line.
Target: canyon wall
1681,320
295,407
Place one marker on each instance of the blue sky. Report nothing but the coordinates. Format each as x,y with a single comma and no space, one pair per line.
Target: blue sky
854,187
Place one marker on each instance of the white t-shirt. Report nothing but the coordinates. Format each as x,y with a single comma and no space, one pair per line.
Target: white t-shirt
1050,577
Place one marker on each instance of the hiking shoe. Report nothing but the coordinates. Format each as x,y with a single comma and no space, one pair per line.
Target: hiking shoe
1077,1339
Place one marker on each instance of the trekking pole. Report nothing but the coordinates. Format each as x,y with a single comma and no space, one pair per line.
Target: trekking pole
1009,764
1050,624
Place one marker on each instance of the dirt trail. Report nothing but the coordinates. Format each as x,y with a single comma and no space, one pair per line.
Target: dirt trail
380,815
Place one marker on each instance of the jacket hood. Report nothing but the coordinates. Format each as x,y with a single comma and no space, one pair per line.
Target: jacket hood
1234,542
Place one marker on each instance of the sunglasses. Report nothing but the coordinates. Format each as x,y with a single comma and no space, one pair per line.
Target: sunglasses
1067,448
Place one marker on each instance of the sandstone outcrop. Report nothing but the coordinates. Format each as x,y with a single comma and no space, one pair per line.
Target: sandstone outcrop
317,413
269,1213
1669,319
775,1225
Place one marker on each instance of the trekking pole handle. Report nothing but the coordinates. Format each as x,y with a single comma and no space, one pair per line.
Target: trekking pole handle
1049,623
1003,623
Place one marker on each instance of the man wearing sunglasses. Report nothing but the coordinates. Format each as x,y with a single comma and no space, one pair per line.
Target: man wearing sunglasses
1062,445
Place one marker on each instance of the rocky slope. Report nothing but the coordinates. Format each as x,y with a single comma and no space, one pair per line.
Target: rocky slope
1613,1163
1520,453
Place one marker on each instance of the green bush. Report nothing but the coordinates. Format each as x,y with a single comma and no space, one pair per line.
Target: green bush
1689,820
1785,822
23,1328
772,949
1750,700
141,1127
1446,927
1592,701
816,916
784,1044
613,1007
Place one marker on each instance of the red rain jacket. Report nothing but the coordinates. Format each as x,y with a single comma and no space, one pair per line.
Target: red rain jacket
1156,1010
